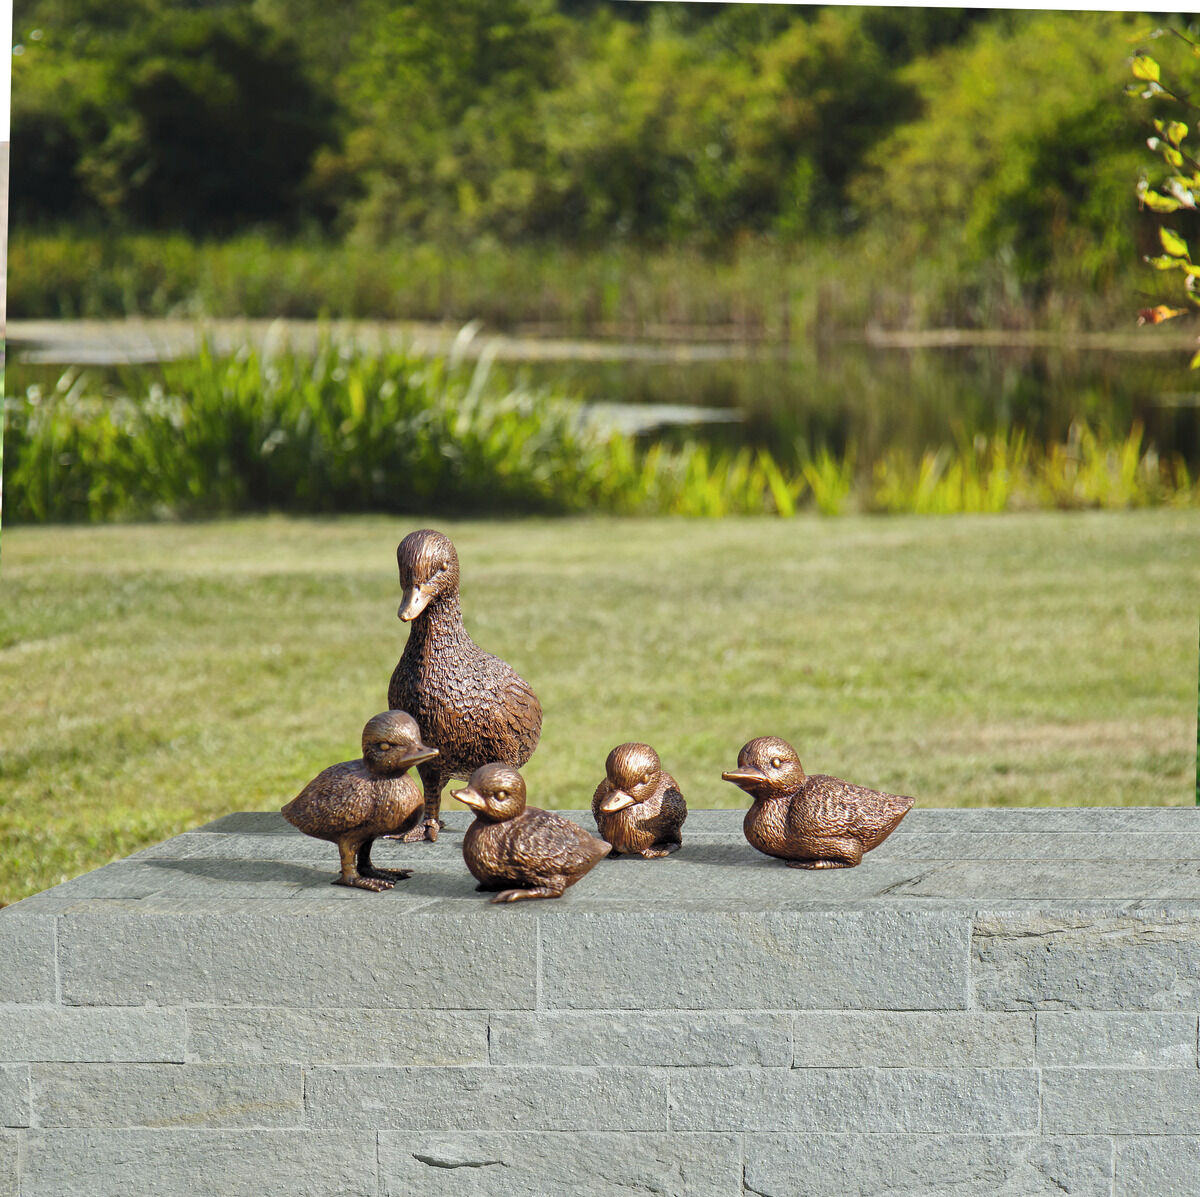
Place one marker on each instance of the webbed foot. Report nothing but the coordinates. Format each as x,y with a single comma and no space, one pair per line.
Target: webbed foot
386,874
515,895
423,831
355,881
818,864
659,851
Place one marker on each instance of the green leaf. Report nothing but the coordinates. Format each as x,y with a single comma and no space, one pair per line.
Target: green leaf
1172,156
1176,132
1164,263
1144,67
1194,364
1173,243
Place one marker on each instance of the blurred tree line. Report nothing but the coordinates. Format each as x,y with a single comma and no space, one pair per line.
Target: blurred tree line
593,121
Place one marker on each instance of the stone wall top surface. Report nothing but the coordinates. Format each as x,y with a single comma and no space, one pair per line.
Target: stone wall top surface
1102,861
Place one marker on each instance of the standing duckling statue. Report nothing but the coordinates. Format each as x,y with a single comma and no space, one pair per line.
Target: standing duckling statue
816,822
354,803
638,807
476,708
520,850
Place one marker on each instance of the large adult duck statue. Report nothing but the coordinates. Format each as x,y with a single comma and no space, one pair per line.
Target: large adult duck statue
471,706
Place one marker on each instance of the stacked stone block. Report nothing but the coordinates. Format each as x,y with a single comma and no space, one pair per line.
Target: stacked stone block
995,1002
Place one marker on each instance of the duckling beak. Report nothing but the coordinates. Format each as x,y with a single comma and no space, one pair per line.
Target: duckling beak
419,753
416,599
746,778
470,797
617,800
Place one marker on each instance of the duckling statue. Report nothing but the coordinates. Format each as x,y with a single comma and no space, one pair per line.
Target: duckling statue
813,822
638,807
520,850
474,707
354,803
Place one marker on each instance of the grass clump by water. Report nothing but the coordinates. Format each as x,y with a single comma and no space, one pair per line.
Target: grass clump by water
1006,472
345,431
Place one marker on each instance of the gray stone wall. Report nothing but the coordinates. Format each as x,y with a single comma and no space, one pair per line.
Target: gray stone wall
969,1012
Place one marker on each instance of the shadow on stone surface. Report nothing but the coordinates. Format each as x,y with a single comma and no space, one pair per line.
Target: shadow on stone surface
261,871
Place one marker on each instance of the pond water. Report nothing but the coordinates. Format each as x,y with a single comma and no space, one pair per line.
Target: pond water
837,394
872,398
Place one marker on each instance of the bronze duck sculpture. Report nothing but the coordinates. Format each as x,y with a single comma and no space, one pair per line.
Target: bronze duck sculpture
354,803
474,707
816,822
638,807
519,850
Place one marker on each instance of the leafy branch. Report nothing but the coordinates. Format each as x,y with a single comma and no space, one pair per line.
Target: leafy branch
1181,187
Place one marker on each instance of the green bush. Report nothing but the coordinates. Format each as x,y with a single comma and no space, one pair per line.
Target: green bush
1024,143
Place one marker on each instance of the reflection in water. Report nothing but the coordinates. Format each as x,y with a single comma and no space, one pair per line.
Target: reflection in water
847,394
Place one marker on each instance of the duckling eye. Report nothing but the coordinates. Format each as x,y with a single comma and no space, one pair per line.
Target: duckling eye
775,762
502,795
383,746
645,779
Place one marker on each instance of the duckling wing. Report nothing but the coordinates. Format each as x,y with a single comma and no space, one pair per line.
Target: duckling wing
673,810
337,800
551,846
842,808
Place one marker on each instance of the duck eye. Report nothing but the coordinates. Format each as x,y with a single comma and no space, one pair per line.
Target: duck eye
646,779
502,795
383,746
775,762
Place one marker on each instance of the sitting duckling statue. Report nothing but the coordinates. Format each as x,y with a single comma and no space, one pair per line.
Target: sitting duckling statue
354,803
638,807
520,850
816,822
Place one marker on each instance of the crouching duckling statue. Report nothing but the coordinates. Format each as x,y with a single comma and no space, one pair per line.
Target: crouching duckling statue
354,803
519,850
816,822
638,807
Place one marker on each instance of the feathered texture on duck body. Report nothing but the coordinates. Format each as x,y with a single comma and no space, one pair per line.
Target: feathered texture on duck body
353,803
638,806
535,852
348,796
527,850
817,822
474,707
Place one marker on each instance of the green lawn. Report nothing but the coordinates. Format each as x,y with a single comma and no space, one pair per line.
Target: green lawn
153,677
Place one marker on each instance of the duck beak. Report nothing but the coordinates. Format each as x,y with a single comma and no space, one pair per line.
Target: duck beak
617,800
416,599
419,753
746,778
470,797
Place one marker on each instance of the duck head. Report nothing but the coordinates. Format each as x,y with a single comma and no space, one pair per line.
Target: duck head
495,792
767,766
391,743
633,770
428,570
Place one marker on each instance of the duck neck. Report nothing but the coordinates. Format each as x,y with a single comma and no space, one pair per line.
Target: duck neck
439,626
